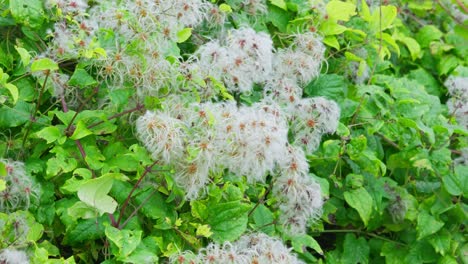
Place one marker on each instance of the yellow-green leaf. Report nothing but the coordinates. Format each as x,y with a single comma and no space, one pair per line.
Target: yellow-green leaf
388,14
330,27
184,34
43,65
225,8
24,55
13,90
279,3
332,42
339,10
94,193
81,131
2,185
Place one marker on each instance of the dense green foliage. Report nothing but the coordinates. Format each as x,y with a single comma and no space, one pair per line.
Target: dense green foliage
79,185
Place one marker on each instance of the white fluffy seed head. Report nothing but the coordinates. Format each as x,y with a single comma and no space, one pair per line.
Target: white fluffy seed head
250,248
457,87
20,190
310,118
162,135
13,256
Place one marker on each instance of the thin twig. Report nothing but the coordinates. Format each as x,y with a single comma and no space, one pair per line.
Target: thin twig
262,200
389,141
80,108
462,5
137,209
129,196
137,108
77,142
38,103
451,15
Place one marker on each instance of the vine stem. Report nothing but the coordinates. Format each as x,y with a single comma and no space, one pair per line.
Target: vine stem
137,108
261,200
364,233
451,15
137,209
77,142
358,109
129,196
36,109
95,91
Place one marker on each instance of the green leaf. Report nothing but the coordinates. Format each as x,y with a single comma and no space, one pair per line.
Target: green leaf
332,86
228,221
411,44
125,240
82,210
278,17
146,252
389,14
339,10
441,242
279,3
360,200
393,253
94,193
427,80
225,8
81,78
355,250
2,185
263,219
427,34
50,134
16,116
300,242
447,64
155,206
331,41
13,91
427,225
28,12
24,55
183,35
204,231
3,171
330,27
85,231
81,131
455,183
43,65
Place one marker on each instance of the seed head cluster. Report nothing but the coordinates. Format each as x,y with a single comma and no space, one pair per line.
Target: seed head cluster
13,256
457,87
458,103
19,191
134,44
251,248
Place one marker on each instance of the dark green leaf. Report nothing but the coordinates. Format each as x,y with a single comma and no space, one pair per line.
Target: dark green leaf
85,231
427,225
228,221
81,78
360,200
332,86
355,250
